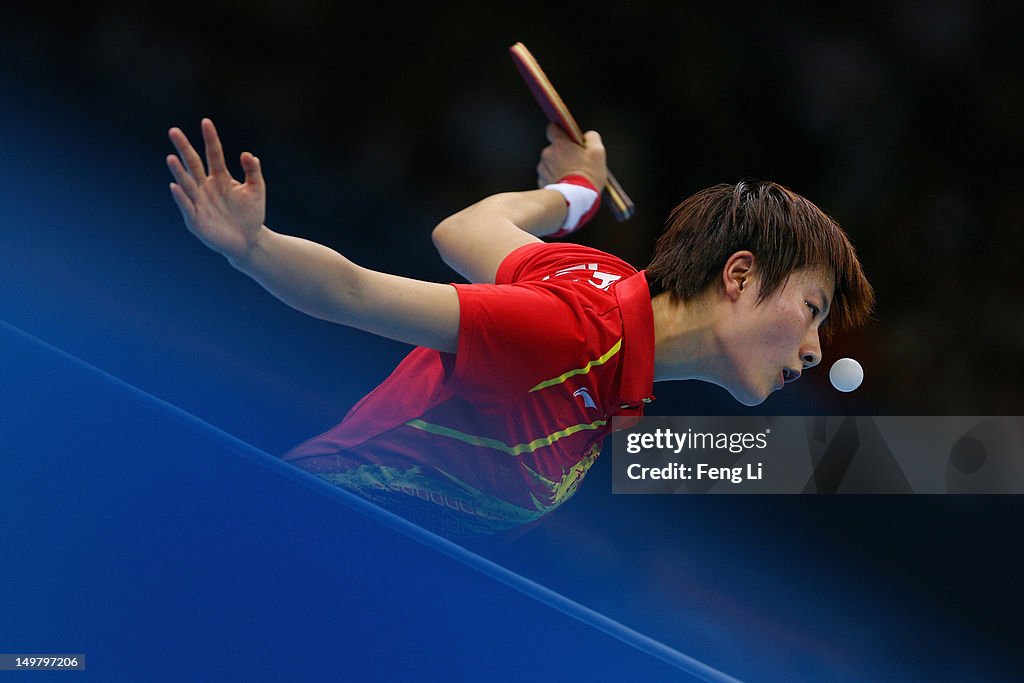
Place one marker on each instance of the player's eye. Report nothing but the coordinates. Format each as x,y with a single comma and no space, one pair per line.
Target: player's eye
814,309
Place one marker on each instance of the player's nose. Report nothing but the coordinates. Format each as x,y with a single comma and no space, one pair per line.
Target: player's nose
810,351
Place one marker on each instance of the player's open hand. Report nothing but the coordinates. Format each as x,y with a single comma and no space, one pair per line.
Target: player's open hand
564,157
225,214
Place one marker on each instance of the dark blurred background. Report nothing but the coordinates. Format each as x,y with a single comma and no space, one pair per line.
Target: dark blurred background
900,119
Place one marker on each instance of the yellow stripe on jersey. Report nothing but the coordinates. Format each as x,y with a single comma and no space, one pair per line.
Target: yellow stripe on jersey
580,371
486,442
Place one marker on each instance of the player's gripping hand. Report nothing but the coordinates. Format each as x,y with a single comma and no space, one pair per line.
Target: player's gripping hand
225,214
563,157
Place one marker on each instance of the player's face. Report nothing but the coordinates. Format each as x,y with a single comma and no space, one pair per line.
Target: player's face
772,343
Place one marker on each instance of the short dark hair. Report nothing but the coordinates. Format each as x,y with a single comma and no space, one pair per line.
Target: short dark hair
784,231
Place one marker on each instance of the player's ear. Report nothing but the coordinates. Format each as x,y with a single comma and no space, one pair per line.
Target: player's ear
737,274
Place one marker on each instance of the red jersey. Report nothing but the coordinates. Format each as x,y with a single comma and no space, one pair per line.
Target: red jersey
503,431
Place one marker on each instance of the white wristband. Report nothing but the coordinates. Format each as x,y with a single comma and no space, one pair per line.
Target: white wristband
582,203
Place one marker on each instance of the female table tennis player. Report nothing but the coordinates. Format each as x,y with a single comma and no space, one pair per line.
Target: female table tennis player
494,418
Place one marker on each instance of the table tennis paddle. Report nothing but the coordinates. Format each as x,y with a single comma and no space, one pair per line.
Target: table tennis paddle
618,201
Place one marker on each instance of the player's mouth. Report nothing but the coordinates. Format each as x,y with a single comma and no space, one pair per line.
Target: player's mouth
788,375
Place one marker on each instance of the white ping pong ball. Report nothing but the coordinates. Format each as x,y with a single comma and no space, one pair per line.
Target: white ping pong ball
846,374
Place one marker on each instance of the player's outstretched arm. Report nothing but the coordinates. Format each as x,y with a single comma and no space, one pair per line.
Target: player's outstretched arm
227,216
477,239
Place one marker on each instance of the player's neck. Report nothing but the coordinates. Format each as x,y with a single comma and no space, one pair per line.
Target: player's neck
685,344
